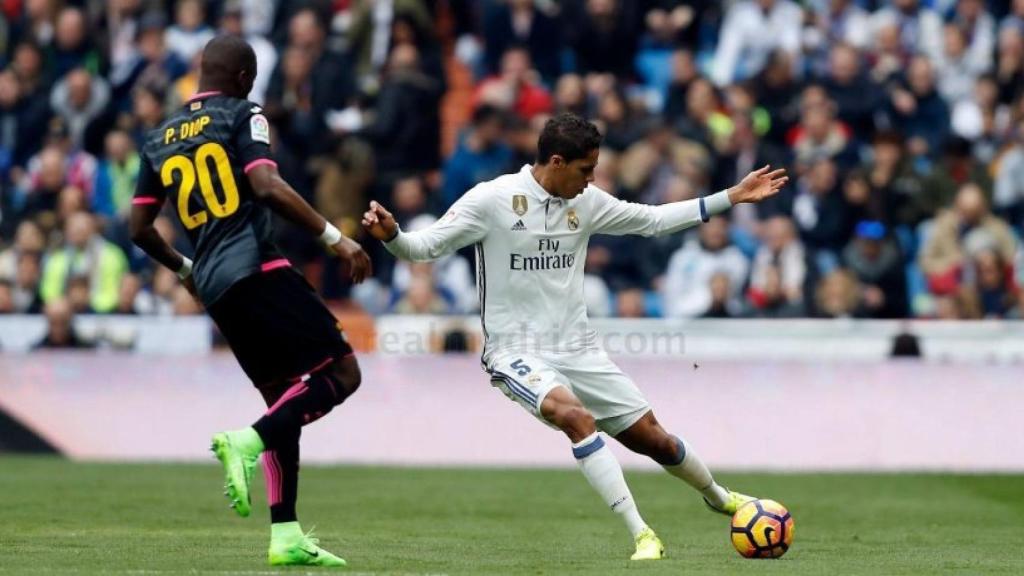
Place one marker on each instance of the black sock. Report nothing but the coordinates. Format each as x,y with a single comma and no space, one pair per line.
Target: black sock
281,470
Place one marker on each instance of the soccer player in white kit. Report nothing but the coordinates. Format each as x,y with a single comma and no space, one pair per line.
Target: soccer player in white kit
530,230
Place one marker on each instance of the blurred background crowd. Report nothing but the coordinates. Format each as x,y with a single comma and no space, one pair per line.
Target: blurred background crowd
901,122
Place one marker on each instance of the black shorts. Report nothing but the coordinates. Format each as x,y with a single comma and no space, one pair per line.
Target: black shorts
278,327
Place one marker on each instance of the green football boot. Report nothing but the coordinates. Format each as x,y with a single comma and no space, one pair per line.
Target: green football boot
238,451
290,547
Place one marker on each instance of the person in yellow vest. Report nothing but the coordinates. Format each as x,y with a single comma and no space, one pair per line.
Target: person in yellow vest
85,253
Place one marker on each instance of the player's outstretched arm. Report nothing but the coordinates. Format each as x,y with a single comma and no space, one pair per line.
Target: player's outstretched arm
271,189
616,217
461,226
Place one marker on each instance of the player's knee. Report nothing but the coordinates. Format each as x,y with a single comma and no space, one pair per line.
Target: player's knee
348,377
667,450
576,421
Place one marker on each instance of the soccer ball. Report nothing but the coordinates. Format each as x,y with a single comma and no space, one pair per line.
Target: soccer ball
762,529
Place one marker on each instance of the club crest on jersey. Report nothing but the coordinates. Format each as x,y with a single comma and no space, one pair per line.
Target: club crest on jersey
574,221
519,204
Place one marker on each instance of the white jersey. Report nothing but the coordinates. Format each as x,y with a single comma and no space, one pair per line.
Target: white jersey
530,251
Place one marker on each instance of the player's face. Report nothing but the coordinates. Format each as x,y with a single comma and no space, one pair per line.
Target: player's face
575,175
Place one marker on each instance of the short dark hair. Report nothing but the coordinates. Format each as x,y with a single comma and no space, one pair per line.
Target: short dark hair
568,136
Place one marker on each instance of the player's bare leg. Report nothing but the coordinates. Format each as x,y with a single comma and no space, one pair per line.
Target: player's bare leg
599,466
647,437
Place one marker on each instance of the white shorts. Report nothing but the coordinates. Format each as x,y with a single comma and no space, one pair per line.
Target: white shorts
607,393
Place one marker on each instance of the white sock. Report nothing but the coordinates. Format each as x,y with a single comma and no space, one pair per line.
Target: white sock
602,470
691,469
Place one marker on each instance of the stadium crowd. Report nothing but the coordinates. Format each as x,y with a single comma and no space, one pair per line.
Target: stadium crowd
901,122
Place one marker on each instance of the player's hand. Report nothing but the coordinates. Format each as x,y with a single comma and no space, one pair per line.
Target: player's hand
380,223
353,254
758,185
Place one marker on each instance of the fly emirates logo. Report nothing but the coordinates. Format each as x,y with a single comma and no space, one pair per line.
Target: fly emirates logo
547,259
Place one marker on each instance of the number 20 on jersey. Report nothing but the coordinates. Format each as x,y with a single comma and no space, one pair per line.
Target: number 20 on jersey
190,171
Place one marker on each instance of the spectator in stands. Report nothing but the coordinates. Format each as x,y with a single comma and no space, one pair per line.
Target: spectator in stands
838,295
820,136
704,122
1008,194
36,22
73,45
80,99
571,95
886,188
421,298
480,155
631,303
266,54
28,239
833,23
152,64
875,260
856,97
821,216
648,167
619,125
958,69
84,254
688,287
887,58
522,23
406,130
957,168
331,85
604,38
116,175
1010,64
516,89
960,233
744,152
682,73
919,28
751,31
190,33
147,111
723,301
25,286
21,118
41,187
918,111
681,20
373,25
60,329
979,29
990,291
982,119
778,273
78,166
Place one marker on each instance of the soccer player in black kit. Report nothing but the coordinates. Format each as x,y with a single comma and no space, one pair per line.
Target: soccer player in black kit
211,161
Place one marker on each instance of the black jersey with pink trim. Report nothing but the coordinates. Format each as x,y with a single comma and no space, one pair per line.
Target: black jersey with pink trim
197,160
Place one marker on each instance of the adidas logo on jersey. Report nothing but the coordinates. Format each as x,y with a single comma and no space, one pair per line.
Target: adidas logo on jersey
518,226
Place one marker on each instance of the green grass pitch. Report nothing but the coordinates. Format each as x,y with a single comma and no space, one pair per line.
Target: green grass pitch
71,518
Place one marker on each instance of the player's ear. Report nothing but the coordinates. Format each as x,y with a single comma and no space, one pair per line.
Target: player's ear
557,160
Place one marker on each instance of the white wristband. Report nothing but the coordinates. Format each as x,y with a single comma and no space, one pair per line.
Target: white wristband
186,268
331,235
